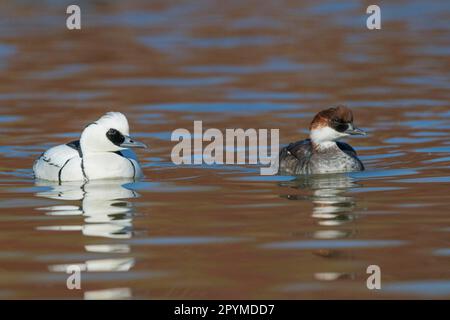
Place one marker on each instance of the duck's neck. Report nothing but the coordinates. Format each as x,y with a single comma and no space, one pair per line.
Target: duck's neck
323,138
323,145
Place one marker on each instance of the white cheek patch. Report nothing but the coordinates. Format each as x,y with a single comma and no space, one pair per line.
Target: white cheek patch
325,134
93,139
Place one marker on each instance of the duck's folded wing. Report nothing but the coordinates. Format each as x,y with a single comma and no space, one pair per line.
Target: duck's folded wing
50,165
295,156
346,148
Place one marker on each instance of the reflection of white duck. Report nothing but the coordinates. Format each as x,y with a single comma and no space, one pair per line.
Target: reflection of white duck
101,153
106,215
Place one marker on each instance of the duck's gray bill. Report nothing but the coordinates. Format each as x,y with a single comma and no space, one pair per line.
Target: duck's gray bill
131,143
355,131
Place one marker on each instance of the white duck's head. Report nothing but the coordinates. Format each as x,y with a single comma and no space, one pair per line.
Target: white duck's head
110,133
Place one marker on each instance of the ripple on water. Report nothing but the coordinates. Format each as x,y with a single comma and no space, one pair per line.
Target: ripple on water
333,244
167,82
61,277
6,50
222,107
9,118
401,140
400,103
20,151
436,81
275,178
168,41
161,135
299,115
379,174
176,241
425,180
382,156
166,187
375,189
53,95
443,159
426,287
434,149
236,94
426,124
71,135
429,134
271,65
60,72
153,118
445,252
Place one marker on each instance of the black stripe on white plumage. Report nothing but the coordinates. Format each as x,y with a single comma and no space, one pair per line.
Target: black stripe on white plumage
101,153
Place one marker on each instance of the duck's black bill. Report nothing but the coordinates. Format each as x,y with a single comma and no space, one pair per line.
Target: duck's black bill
131,143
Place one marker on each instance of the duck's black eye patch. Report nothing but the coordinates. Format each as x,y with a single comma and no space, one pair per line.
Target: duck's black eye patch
339,126
115,137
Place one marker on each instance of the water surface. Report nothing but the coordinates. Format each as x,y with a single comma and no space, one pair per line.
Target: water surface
225,231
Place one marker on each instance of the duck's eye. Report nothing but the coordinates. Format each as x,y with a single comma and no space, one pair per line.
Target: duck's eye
339,126
115,136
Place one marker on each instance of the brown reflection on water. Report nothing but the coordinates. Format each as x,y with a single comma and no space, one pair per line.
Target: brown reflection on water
226,232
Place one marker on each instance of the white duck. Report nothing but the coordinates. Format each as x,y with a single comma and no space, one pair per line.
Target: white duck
101,153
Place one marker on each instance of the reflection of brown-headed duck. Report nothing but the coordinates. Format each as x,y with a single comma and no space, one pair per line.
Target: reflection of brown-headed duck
322,153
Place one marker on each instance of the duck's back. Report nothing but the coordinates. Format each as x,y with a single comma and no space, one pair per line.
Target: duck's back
295,157
60,163
300,158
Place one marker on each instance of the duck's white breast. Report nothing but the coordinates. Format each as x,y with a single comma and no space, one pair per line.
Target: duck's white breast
109,165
